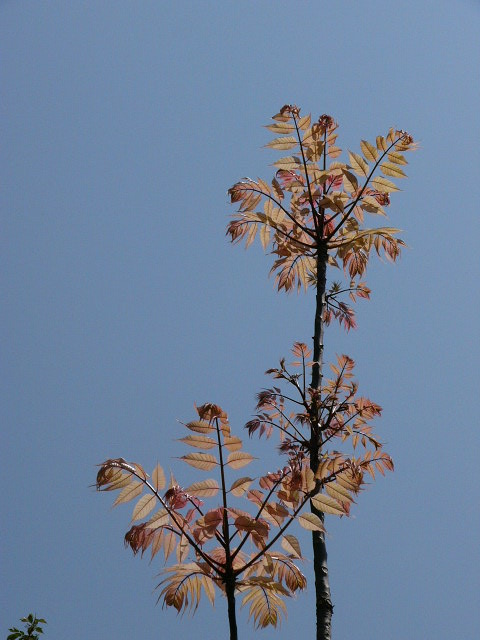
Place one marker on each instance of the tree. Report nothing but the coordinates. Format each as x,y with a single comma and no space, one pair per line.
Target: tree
313,217
218,538
32,629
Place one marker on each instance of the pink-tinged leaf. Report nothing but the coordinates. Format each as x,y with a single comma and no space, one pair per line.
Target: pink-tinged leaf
199,441
311,522
239,459
158,478
292,546
143,507
241,485
326,504
203,461
130,492
204,489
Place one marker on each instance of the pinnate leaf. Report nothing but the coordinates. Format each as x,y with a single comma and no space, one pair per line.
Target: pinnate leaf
311,522
143,507
200,426
158,519
383,185
239,459
130,492
158,478
286,142
326,504
391,169
204,489
199,441
291,545
359,165
203,461
369,151
240,485
232,443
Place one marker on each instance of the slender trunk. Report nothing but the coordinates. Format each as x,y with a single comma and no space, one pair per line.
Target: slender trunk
324,607
229,574
232,618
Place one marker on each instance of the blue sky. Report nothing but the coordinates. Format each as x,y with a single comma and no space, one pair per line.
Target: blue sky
123,125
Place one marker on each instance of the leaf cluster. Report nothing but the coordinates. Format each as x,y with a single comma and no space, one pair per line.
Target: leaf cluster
32,628
229,541
312,423
316,204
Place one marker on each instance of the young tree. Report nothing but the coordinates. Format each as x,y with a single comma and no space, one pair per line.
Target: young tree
229,547
313,216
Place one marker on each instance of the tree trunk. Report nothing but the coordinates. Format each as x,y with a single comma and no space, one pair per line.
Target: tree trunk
324,607
232,618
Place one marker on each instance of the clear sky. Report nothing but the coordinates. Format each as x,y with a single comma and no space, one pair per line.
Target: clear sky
123,124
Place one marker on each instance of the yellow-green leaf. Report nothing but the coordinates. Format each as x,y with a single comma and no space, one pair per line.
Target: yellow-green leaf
241,485
349,181
199,441
283,143
291,545
159,519
239,459
289,163
143,507
337,491
204,489
265,236
130,492
203,461
169,542
304,122
382,144
368,150
311,522
359,165
200,426
281,127
383,185
391,169
232,443
396,157
326,504
182,549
